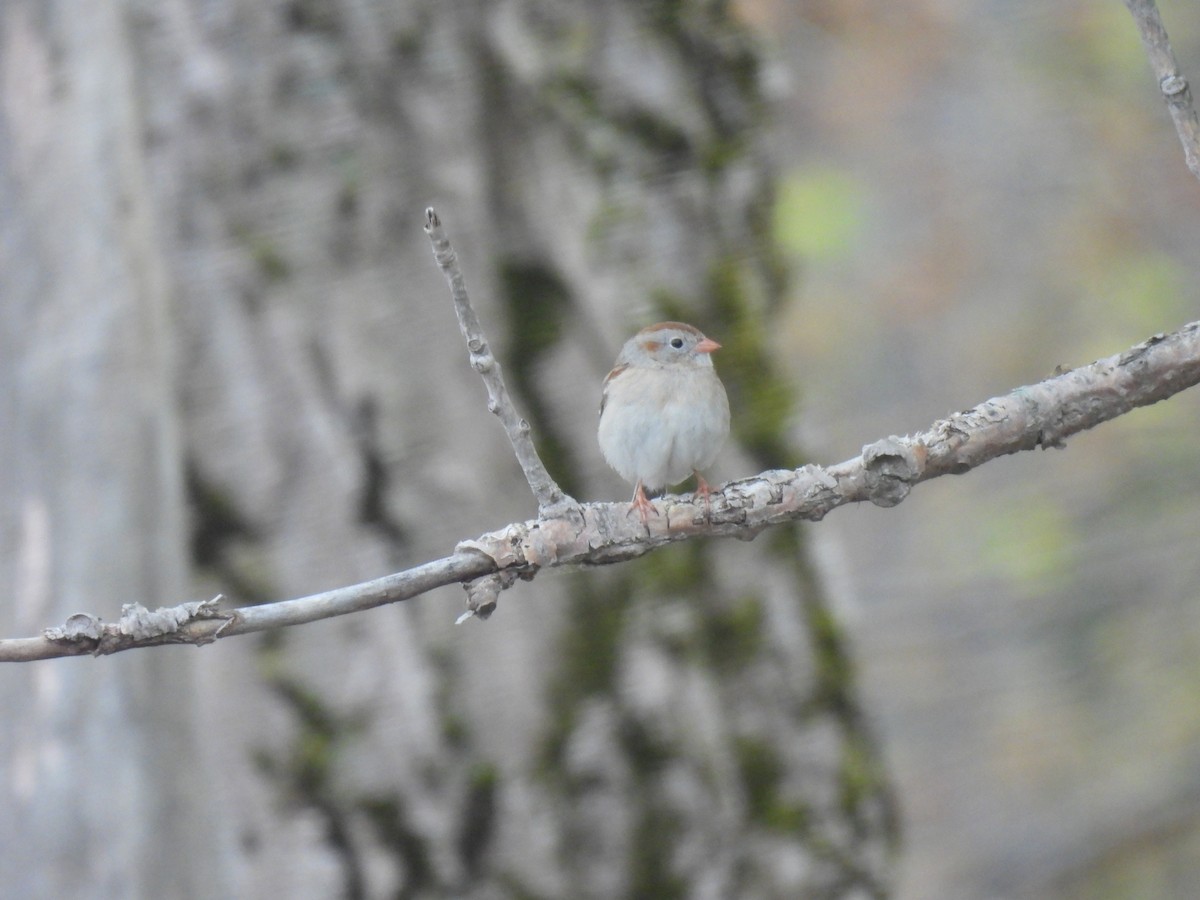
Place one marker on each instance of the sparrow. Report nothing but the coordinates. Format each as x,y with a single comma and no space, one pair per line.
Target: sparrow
664,414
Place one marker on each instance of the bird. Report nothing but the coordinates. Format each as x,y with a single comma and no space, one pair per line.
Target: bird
664,414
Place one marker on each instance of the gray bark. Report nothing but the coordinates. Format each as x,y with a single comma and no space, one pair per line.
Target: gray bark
96,773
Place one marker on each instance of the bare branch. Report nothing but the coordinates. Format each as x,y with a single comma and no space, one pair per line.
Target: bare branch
1173,85
85,635
1040,415
550,497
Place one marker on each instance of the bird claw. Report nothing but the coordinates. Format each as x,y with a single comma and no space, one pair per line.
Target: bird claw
642,504
645,508
704,492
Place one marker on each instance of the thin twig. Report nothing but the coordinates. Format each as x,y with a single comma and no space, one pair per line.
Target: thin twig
1173,85
1040,415
550,497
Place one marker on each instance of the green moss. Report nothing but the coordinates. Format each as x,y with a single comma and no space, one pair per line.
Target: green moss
788,818
606,221
578,97
762,771
484,776
265,253
588,655
304,769
860,775
711,41
720,635
269,647
835,675
270,260
537,301
674,570
454,730
224,542
654,838
765,400
717,154
669,142
590,646
647,753
478,819
389,819
773,266
349,186
733,634
707,40
745,69
672,305
248,576
216,518
576,91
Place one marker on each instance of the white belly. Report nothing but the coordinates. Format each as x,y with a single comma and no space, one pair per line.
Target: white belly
650,431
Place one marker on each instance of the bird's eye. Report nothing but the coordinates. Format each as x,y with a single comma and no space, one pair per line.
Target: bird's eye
677,343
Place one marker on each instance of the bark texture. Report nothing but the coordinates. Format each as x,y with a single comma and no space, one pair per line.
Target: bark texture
92,490
233,361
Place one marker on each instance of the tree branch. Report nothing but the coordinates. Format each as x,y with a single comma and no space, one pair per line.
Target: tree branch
1040,415
550,497
1173,85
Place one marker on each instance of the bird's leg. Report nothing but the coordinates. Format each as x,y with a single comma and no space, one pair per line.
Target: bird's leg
703,491
642,504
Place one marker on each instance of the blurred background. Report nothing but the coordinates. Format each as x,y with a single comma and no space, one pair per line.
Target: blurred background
229,364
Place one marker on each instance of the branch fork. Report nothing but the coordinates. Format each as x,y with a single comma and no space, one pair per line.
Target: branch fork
551,499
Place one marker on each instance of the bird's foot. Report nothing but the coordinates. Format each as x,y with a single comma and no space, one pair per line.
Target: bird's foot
642,504
704,492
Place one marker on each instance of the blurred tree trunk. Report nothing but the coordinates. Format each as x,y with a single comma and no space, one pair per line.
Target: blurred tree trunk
684,727
101,786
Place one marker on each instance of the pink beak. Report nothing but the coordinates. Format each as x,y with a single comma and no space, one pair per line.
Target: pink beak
708,345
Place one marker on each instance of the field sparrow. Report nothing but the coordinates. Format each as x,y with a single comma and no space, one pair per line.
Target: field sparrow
664,414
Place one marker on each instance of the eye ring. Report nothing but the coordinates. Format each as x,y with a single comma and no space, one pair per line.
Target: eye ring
677,343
